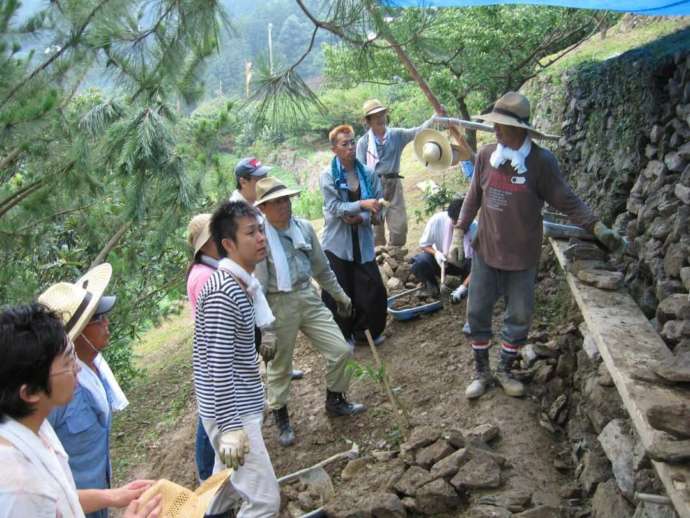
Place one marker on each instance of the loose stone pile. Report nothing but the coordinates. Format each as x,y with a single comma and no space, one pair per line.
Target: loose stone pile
394,267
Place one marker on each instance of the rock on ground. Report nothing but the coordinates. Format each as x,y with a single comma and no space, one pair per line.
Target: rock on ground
479,473
609,503
386,505
618,446
436,497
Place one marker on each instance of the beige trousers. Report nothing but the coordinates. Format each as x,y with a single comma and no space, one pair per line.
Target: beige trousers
303,310
395,215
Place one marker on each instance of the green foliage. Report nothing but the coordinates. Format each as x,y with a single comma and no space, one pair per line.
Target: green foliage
365,371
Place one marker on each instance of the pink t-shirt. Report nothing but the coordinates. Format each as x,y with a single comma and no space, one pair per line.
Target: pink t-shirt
198,276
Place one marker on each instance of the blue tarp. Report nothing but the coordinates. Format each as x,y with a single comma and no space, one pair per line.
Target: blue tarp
647,7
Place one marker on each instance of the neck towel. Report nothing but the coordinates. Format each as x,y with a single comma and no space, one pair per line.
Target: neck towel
119,401
517,157
89,380
209,261
338,173
42,451
264,315
372,148
280,263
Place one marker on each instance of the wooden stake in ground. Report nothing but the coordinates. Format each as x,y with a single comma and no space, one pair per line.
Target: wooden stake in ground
400,411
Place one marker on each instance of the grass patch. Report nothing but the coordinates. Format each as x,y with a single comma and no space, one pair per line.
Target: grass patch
618,40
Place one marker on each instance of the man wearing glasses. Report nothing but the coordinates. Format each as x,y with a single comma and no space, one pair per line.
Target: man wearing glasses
350,206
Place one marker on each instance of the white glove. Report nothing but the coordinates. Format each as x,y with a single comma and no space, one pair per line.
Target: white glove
232,448
458,294
267,349
440,258
456,254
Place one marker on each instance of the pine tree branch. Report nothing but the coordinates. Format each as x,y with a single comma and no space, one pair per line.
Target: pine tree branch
52,216
112,243
74,39
10,158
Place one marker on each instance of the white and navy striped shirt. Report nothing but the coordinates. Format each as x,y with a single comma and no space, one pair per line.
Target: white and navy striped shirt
226,374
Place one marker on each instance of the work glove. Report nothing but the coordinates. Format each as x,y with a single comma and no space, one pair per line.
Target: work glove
267,349
458,294
440,258
456,254
609,238
233,447
343,305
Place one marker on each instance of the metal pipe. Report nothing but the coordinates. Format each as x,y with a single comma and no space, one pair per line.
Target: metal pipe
653,499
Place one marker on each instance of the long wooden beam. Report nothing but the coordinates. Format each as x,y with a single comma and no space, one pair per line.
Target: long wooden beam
628,342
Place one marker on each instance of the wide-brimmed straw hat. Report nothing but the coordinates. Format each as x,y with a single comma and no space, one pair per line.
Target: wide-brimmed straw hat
373,106
433,149
179,502
77,303
270,188
199,231
513,109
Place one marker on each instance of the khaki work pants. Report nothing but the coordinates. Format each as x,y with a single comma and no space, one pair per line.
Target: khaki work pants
303,310
395,215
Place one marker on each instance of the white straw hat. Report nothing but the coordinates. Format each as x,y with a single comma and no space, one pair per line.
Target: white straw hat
434,150
199,231
77,303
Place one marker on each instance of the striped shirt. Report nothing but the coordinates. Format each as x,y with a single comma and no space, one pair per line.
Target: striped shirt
226,374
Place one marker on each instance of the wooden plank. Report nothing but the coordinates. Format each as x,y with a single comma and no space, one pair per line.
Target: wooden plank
628,342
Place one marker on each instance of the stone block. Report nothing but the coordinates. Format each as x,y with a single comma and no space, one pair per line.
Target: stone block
436,497
394,284
386,505
674,162
616,442
480,472
595,469
609,503
414,478
676,369
602,279
430,455
673,307
449,466
682,193
422,436
674,259
483,433
675,330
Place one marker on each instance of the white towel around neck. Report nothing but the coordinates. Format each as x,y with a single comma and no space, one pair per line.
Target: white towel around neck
262,311
46,462
372,149
277,252
119,401
517,157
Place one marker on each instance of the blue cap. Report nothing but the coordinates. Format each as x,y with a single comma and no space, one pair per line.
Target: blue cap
250,166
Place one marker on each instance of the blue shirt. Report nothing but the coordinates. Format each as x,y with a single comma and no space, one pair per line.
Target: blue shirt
84,431
337,235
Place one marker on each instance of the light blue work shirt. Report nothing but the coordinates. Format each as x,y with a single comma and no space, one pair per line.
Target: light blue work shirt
84,431
337,235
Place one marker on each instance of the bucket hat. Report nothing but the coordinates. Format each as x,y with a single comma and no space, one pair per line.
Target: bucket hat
372,106
513,109
77,303
199,231
270,188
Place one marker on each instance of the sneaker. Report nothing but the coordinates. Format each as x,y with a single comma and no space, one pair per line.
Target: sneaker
379,340
478,387
509,384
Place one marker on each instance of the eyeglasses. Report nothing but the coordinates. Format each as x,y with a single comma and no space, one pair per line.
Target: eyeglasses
347,143
101,317
72,355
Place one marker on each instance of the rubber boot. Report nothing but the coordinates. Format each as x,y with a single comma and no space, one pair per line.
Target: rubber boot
504,377
482,374
286,436
337,405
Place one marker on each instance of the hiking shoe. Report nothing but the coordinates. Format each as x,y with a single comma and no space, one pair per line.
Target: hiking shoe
286,436
337,405
477,387
482,375
509,384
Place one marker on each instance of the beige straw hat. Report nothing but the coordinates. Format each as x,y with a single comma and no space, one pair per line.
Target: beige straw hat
270,188
199,231
513,109
77,303
179,502
434,150
372,106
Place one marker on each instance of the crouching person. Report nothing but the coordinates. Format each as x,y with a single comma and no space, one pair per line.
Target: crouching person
294,257
226,375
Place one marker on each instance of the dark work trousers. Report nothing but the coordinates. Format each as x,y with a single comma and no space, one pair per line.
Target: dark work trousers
426,269
363,284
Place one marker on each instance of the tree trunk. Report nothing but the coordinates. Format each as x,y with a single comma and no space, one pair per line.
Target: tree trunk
465,114
112,243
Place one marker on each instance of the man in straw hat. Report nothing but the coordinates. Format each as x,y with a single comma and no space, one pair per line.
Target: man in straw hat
294,258
380,149
512,180
83,426
228,386
38,373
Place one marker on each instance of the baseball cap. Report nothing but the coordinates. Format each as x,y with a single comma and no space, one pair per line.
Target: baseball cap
250,166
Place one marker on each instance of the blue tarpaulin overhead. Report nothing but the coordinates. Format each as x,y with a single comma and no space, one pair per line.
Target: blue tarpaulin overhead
648,7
